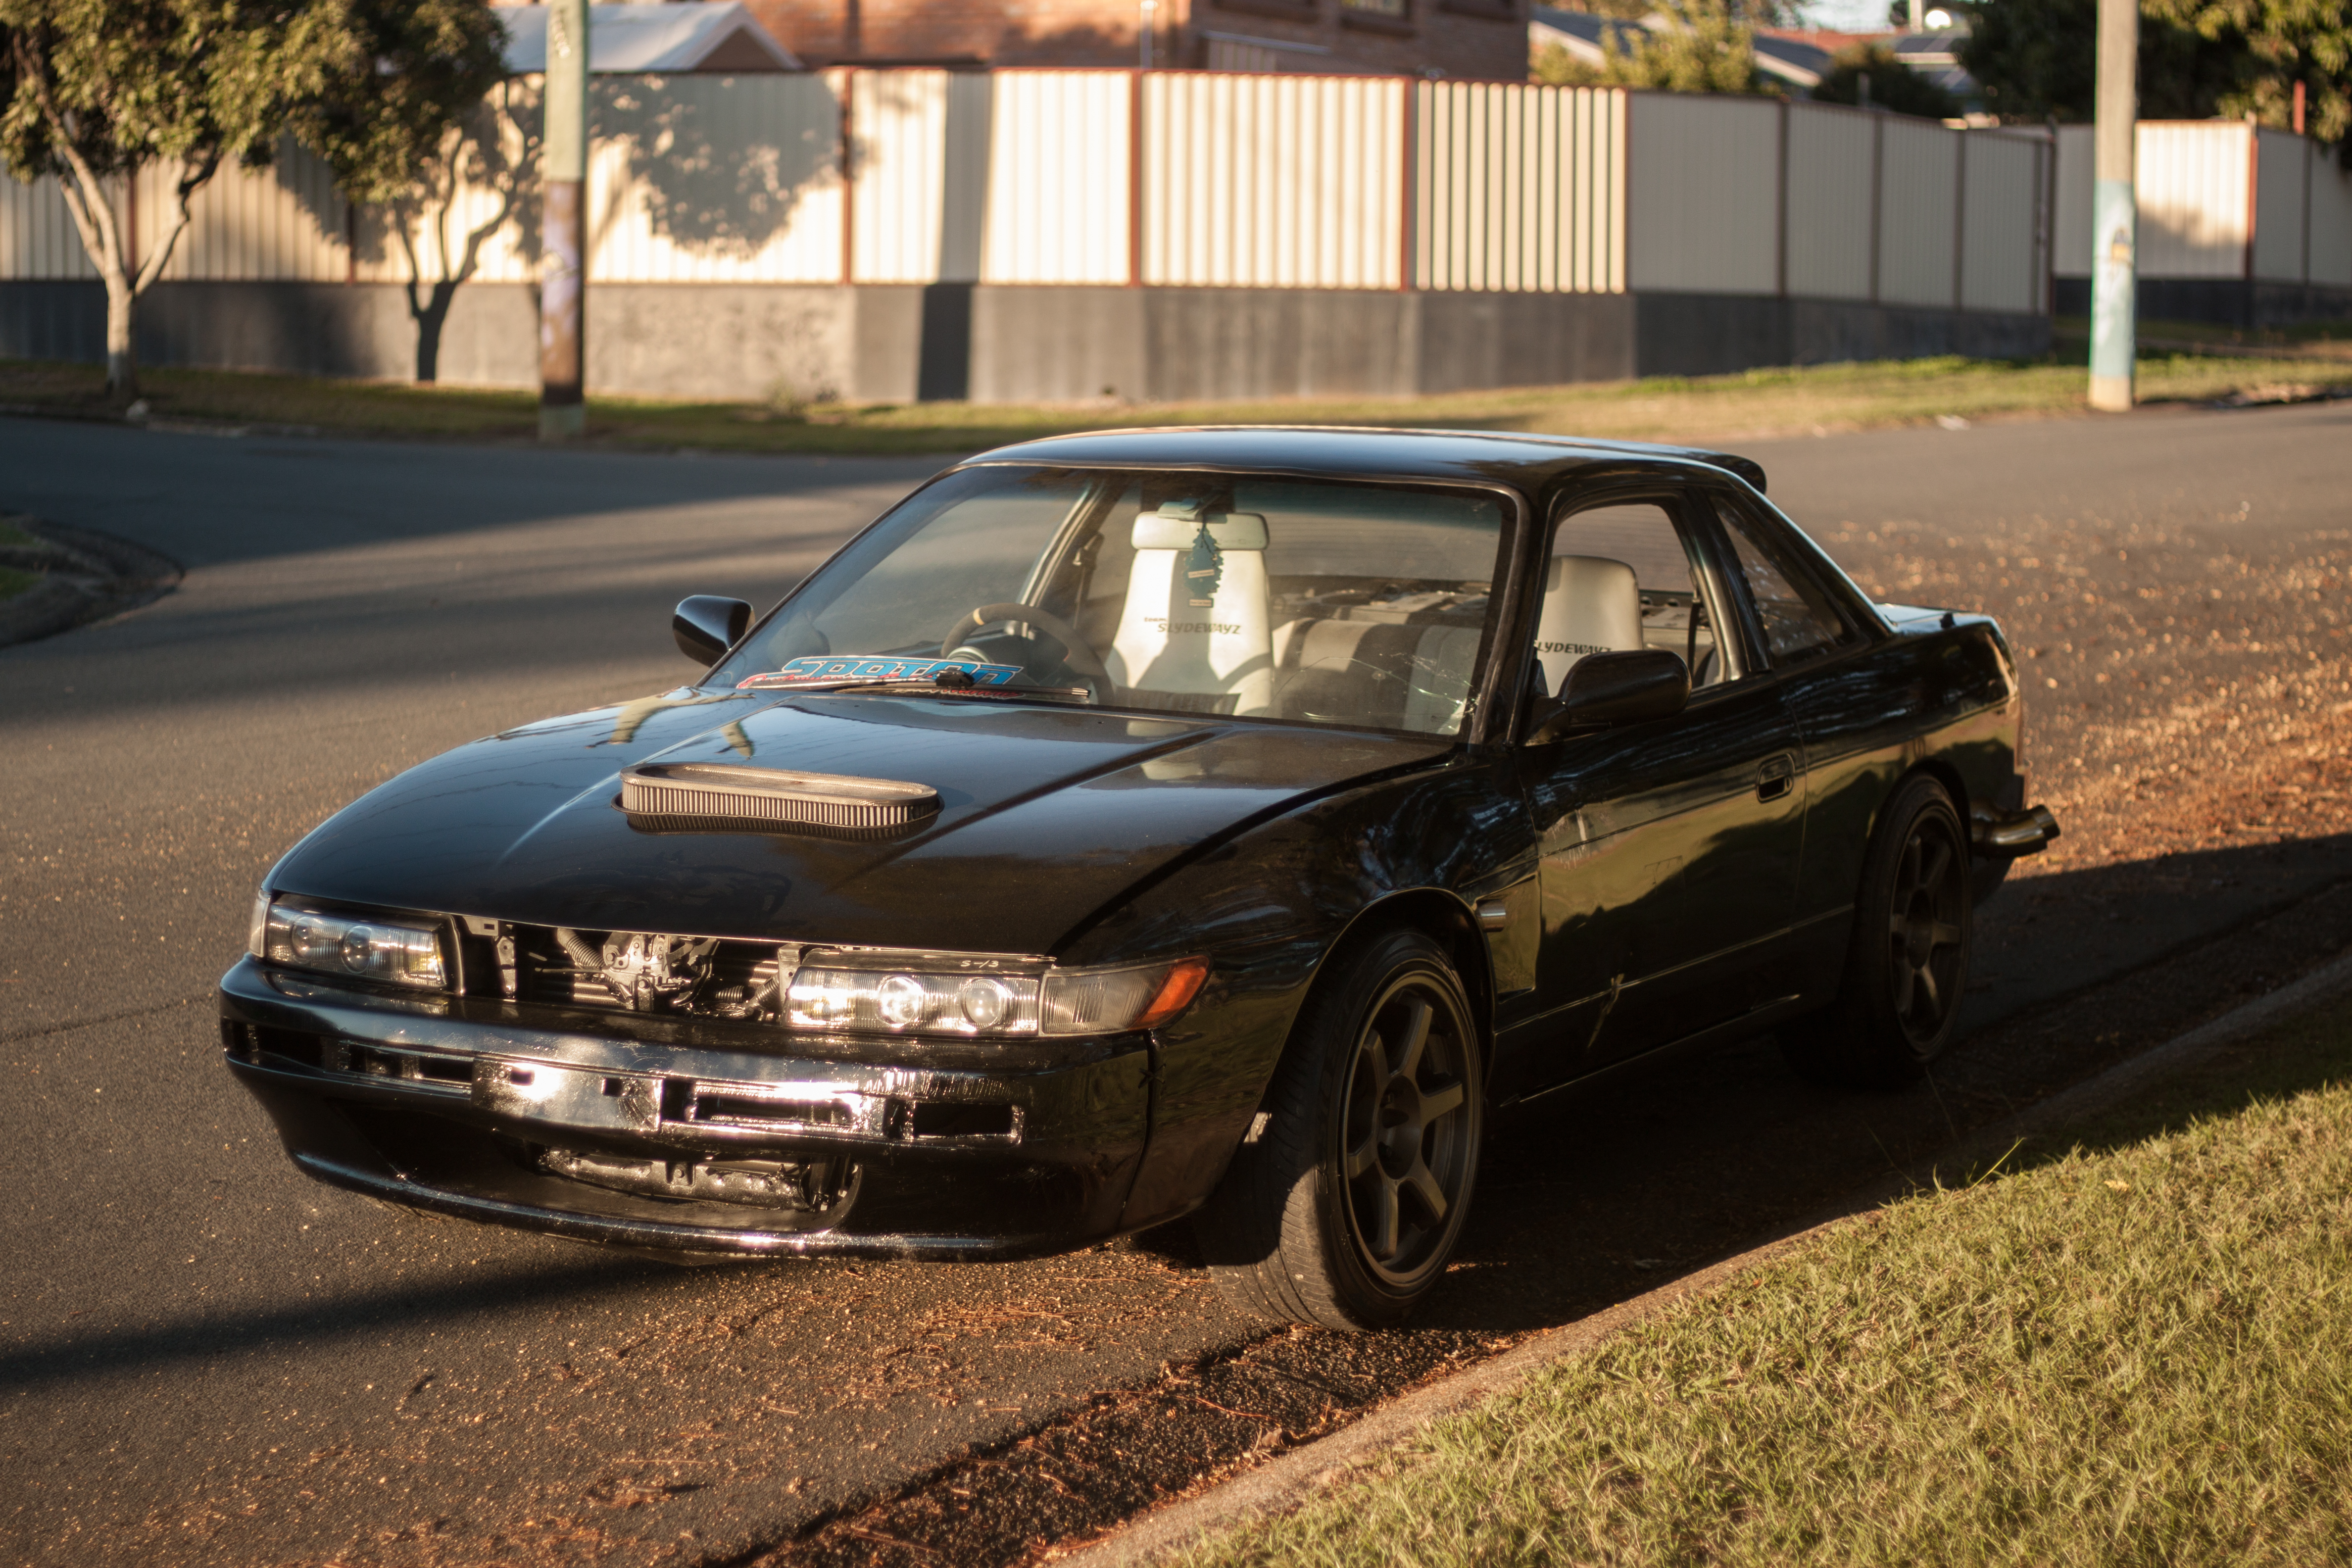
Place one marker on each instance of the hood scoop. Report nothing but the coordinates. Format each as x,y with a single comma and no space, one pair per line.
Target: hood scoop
707,798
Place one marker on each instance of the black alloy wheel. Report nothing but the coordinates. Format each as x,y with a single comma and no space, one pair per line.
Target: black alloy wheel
1344,1202
1926,930
1907,969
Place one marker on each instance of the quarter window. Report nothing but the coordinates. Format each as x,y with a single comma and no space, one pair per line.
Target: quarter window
1800,620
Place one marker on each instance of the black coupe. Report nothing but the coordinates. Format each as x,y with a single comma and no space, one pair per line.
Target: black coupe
1128,826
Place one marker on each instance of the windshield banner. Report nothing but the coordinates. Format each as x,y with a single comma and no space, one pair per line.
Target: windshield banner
860,666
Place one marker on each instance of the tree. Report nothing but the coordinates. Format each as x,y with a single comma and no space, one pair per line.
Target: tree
2036,59
493,149
1894,85
1699,46
441,115
99,90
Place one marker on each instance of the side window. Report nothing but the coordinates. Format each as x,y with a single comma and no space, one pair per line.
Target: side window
1620,578
1800,620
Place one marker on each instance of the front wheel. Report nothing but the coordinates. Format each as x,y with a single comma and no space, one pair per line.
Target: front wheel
1345,1199
1908,967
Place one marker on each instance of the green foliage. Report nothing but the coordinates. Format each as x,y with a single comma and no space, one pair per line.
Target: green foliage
96,90
1894,85
2037,58
429,65
1703,47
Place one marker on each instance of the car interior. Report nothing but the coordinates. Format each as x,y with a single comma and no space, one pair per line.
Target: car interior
1622,578
1339,604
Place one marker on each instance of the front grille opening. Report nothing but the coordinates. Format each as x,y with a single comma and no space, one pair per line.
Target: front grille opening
939,1119
421,1067
804,1186
740,1109
252,1042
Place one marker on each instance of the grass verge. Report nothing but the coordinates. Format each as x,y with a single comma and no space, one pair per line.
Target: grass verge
2131,1351
13,580
1808,400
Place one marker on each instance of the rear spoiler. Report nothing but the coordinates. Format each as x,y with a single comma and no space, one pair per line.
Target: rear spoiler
1748,468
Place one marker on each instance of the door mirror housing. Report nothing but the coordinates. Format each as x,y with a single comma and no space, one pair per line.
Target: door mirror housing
706,627
1606,689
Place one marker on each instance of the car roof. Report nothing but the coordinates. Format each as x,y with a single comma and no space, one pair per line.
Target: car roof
1527,462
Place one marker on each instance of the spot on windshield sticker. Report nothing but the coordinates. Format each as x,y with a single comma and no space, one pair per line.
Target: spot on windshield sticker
875,667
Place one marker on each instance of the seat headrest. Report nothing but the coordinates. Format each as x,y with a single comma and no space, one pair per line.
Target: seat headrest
1175,531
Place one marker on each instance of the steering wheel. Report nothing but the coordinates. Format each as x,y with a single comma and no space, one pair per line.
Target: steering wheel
1075,651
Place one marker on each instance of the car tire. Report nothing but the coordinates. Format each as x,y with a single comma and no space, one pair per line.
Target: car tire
1349,1191
1908,968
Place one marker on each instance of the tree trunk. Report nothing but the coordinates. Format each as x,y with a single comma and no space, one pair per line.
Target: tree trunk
429,322
121,340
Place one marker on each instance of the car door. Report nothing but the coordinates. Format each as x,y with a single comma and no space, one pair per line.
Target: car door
1856,708
1669,849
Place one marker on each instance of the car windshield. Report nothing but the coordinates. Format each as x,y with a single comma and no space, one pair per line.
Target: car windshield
1305,601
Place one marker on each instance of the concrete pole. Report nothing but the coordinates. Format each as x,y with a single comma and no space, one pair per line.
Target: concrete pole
563,275
2115,211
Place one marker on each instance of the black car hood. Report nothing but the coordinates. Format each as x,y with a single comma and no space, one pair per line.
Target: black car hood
1047,815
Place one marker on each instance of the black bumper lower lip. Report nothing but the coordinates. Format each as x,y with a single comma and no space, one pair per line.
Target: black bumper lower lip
418,1102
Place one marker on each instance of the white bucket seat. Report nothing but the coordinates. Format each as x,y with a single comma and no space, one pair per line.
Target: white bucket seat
1167,642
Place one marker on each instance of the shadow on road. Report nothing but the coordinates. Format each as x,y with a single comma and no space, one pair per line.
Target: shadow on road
1586,1200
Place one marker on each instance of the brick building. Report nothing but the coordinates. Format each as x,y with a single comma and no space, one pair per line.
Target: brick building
1471,38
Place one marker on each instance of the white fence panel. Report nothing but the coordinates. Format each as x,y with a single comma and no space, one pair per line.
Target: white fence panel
716,179
1520,188
38,238
2192,179
898,170
1832,163
1273,181
1057,177
2001,256
2331,222
281,224
2282,180
1702,191
1918,212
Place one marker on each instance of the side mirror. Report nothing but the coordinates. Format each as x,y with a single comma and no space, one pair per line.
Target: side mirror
1605,689
706,627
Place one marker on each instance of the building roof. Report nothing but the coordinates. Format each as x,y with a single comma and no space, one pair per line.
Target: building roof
1583,34
1798,58
687,35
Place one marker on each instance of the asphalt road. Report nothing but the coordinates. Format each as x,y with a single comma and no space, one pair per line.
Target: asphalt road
206,1358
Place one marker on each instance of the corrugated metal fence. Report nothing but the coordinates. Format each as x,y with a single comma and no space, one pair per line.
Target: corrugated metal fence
2219,199
1197,179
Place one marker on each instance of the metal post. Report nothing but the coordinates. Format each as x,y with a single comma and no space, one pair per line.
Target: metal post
2114,213
562,317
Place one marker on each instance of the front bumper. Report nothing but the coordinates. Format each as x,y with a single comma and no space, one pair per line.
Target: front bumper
689,1136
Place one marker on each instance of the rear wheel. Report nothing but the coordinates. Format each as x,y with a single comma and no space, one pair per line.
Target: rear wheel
1908,967
1344,1203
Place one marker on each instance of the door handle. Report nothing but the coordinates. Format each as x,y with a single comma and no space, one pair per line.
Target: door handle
1774,777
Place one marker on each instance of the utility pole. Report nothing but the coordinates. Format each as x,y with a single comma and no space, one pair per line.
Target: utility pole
2114,209
562,275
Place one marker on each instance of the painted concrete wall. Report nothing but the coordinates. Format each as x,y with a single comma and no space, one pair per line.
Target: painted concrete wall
899,342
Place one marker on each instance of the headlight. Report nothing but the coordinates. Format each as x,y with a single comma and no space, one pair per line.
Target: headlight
940,993
394,953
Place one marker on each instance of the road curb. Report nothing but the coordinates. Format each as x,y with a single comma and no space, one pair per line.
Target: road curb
87,577
1283,1484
